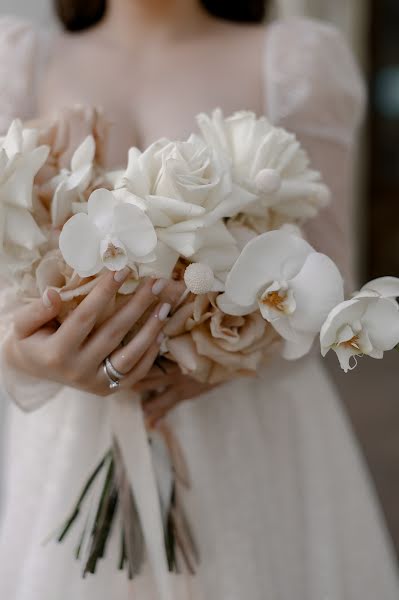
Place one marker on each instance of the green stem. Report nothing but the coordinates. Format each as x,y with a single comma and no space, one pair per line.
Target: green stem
103,521
72,518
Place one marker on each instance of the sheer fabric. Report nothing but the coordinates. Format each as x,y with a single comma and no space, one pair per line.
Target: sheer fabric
281,503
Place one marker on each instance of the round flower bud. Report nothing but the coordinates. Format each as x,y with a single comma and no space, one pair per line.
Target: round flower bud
267,181
199,278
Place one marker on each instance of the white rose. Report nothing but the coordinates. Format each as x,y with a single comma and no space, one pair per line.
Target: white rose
186,193
267,161
20,161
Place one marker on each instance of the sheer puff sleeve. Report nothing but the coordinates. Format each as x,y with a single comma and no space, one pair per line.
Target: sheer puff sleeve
18,67
19,62
314,89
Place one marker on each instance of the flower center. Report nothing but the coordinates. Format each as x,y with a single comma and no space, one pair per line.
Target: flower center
112,252
275,300
353,343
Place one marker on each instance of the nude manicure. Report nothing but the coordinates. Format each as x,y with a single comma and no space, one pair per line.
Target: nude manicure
120,276
160,338
158,286
164,311
47,300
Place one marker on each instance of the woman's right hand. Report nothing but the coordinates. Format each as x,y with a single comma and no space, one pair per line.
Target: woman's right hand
73,353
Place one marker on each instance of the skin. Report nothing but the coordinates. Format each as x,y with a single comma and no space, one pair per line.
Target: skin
153,53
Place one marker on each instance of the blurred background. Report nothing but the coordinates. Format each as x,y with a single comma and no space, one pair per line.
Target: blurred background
370,393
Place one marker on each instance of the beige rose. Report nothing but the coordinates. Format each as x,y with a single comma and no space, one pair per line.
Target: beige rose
65,132
212,346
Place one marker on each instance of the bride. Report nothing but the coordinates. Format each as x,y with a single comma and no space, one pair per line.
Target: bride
281,503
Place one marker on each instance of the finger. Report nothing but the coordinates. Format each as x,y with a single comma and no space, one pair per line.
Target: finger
124,359
164,366
111,333
150,384
143,366
35,315
81,321
156,409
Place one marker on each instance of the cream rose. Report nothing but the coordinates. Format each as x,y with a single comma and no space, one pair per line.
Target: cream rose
212,346
187,193
267,161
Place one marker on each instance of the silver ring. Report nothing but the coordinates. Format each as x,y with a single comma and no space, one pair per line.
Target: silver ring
112,372
113,383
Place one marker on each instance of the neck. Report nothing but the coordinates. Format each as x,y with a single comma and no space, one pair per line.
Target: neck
129,22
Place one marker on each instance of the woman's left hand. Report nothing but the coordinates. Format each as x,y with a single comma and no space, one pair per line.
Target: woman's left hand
167,387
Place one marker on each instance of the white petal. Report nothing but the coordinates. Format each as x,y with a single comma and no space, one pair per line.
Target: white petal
230,308
22,229
13,141
346,313
345,354
84,154
113,254
61,206
134,229
101,205
382,323
17,189
135,177
79,180
174,208
48,272
80,245
293,350
317,289
387,287
275,255
185,243
163,265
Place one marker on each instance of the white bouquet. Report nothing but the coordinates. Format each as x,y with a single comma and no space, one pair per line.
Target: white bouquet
224,211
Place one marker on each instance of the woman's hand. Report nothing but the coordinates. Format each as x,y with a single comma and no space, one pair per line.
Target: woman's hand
73,353
167,387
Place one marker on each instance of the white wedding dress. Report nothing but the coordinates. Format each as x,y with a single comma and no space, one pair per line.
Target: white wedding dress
281,502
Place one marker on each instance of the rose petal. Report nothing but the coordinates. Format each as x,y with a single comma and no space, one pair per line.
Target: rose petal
84,154
22,229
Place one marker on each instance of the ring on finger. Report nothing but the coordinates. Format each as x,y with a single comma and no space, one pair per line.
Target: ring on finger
112,372
113,376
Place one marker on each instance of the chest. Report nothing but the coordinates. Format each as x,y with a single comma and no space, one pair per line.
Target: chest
150,96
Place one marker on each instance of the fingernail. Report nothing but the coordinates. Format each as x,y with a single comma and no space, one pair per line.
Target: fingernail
158,286
160,338
46,299
121,275
164,311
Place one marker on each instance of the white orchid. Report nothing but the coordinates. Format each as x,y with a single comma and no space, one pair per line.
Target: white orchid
112,234
293,286
70,184
366,325
267,161
187,194
384,287
20,161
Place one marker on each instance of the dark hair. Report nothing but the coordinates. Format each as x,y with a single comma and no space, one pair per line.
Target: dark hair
76,15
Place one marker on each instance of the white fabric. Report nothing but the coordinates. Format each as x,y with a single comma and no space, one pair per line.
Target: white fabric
281,503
